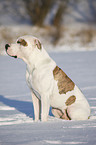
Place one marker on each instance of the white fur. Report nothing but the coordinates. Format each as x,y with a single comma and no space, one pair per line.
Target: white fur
40,79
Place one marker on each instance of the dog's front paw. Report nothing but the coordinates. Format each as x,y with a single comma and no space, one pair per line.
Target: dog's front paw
36,120
44,118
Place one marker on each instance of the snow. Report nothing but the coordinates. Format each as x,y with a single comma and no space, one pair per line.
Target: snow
16,109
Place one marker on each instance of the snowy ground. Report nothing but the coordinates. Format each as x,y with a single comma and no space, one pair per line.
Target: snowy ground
16,110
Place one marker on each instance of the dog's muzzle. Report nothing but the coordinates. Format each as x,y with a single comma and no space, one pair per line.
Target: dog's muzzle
6,48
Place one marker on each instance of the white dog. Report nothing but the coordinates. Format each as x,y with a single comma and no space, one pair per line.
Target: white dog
49,85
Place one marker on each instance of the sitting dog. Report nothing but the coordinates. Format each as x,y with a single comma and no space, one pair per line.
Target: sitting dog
49,85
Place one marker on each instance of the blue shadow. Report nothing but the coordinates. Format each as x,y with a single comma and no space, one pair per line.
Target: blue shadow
22,106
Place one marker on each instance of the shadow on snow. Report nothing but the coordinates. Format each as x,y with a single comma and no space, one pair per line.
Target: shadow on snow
22,106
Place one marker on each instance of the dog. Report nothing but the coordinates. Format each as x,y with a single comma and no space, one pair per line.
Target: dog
49,85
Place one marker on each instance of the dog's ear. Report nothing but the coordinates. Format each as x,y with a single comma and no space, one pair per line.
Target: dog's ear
38,44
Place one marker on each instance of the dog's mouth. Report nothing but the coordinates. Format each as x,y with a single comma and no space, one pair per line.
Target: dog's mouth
15,56
6,48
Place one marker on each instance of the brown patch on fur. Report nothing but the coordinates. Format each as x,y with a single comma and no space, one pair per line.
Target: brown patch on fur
38,44
22,42
65,84
70,100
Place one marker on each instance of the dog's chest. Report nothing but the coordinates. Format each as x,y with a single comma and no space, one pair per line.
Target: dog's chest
28,79
31,79
41,81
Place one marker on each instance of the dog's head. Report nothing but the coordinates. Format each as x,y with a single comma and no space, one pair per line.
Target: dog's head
23,47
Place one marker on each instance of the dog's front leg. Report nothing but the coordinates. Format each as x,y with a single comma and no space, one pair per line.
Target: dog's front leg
45,105
36,104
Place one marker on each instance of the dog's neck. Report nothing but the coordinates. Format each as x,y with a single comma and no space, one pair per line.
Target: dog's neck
38,60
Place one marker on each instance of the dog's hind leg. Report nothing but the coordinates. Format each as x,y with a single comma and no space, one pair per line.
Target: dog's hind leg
60,114
78,112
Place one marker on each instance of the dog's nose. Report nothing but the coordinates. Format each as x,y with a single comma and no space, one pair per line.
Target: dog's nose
6,46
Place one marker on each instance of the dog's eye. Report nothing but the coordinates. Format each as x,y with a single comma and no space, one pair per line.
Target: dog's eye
22,42
18,41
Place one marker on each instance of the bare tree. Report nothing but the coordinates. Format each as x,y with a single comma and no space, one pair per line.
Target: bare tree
58,18
39,9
